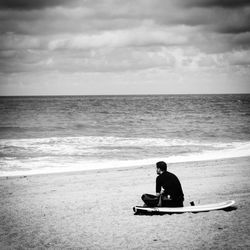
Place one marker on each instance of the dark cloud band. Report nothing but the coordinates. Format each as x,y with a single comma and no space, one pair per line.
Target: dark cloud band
218,3
32,4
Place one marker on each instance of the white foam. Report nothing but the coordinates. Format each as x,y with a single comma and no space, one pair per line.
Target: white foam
73,146
94,141
70,164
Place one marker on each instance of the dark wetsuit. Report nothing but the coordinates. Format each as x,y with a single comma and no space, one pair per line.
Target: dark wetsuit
171,185
173,195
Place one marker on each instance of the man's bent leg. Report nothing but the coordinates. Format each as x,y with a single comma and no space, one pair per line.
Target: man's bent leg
171,203
150,200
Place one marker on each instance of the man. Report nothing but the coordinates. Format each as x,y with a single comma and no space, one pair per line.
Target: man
168,189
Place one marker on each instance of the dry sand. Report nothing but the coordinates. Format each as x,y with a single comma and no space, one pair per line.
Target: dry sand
93,210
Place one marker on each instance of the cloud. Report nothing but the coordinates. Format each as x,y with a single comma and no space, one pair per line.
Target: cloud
234,21
128,38
30,4
209,19
13,61
241,58
11,41
98,16
242,40
217,3
117,35
137,37
102,60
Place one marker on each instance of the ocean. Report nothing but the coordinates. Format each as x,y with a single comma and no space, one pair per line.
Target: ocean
50,134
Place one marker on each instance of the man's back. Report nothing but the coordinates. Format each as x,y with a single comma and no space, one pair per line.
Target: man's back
171,186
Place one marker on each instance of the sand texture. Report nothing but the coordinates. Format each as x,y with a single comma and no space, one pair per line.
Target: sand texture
93,210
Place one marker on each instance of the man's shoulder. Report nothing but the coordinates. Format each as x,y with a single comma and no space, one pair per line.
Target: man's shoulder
166,175
171,175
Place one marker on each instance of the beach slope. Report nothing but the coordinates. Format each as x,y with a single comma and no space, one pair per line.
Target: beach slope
93,209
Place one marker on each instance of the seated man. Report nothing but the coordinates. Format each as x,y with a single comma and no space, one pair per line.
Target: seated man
168,189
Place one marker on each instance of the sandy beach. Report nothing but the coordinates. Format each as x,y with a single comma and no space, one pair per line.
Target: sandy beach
93,209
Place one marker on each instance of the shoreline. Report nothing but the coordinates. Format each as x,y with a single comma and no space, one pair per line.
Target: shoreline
93,209
118,168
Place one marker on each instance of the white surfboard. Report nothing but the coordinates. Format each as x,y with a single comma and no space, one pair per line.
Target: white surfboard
188,209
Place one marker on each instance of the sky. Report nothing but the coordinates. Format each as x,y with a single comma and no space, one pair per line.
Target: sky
108,47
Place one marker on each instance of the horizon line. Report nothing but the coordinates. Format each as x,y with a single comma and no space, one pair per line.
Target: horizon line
55,95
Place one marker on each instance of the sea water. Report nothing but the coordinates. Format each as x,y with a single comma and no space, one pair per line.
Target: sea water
70,133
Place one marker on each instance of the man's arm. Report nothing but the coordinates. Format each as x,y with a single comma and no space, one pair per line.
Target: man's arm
159,189
160,193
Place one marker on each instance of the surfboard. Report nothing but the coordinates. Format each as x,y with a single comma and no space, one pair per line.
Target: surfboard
187,209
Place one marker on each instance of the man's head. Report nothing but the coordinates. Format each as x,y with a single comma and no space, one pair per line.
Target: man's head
161,167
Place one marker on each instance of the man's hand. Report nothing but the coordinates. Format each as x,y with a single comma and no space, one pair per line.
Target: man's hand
159,194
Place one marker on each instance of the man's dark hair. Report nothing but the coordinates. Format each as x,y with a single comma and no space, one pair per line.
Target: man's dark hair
162,166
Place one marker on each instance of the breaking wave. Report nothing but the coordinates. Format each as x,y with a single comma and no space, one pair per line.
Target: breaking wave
68,154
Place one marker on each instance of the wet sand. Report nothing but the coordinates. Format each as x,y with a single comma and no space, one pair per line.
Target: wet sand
93,210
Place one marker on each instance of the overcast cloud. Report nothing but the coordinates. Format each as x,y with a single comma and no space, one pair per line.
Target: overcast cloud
124,47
